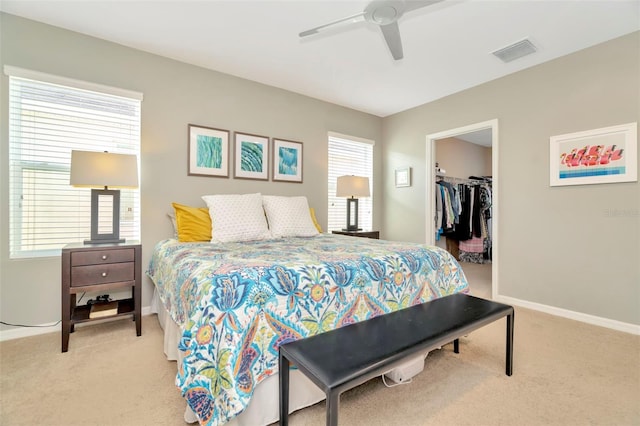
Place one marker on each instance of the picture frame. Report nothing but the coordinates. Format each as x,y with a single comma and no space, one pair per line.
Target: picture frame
403,177
208,151
287,161
251,156
605,155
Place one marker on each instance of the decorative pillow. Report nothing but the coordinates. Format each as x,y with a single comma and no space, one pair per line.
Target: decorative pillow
315,221
289,216
174,226
236,217
192,223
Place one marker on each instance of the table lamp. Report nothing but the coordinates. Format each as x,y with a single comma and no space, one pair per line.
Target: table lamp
352,187
92,169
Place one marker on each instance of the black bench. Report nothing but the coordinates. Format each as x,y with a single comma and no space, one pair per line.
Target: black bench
344,358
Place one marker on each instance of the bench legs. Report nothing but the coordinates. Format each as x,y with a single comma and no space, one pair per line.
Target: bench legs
333,398
333,404
283,372
509,355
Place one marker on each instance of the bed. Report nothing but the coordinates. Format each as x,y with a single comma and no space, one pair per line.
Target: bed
226,307
251,272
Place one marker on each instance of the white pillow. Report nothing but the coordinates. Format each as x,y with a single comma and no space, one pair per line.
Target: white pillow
289,216
174,225
237,217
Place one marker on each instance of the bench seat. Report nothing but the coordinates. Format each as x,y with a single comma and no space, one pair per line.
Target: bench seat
341,359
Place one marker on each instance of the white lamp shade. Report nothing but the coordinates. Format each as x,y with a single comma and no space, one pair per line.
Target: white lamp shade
352,186
100,169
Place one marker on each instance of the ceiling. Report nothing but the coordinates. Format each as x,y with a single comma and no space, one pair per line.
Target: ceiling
479,137
447,46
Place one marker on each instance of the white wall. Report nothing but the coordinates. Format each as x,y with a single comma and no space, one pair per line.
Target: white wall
175,94
561,247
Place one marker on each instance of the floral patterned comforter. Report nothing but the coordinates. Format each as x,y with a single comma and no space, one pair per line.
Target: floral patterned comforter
238,302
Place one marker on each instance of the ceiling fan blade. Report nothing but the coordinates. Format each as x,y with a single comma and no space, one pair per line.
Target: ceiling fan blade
353,18
391,34
410,5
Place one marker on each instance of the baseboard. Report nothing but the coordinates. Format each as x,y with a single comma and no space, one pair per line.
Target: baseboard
19,332
578,316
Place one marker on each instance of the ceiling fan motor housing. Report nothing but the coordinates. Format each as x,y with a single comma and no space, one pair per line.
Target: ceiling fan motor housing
384,12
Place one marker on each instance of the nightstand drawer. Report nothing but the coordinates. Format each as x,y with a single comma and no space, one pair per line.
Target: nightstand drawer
100,274
97,257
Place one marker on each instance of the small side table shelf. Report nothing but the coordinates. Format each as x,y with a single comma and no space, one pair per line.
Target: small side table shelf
364,234
100,268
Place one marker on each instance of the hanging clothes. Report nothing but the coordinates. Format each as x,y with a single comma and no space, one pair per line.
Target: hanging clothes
463,215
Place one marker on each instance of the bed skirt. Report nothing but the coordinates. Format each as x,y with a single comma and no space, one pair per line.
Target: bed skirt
263,408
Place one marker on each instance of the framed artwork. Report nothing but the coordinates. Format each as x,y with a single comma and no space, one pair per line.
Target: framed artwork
287,161
208,151
403,177
606,155
251,156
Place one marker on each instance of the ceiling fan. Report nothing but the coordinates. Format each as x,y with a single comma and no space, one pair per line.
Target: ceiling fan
384,13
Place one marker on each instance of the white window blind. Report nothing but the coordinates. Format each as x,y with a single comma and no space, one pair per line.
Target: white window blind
46,122
349,157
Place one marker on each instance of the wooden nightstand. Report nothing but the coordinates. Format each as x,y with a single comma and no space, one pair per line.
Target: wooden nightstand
100,268
365,234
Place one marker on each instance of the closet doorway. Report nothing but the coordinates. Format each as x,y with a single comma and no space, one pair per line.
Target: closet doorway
486,134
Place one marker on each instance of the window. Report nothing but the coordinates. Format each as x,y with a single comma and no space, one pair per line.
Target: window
349,156
48,117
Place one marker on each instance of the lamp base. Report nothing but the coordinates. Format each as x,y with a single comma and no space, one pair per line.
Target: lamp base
352,215
120,240
109,200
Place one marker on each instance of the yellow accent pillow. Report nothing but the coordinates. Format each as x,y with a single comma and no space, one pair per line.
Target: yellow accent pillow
315,221
193,223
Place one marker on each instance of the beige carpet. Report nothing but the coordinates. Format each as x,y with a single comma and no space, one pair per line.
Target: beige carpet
565,373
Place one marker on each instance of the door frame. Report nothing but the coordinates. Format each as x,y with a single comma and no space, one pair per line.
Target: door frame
431,181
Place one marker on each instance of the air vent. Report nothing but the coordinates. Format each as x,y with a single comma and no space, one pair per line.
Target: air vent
515,51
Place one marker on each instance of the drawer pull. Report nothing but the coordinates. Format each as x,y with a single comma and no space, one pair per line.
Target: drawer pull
104,274
104,257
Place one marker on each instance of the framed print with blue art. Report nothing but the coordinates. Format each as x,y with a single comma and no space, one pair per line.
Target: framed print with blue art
605,155
287,161
208,151
251,156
